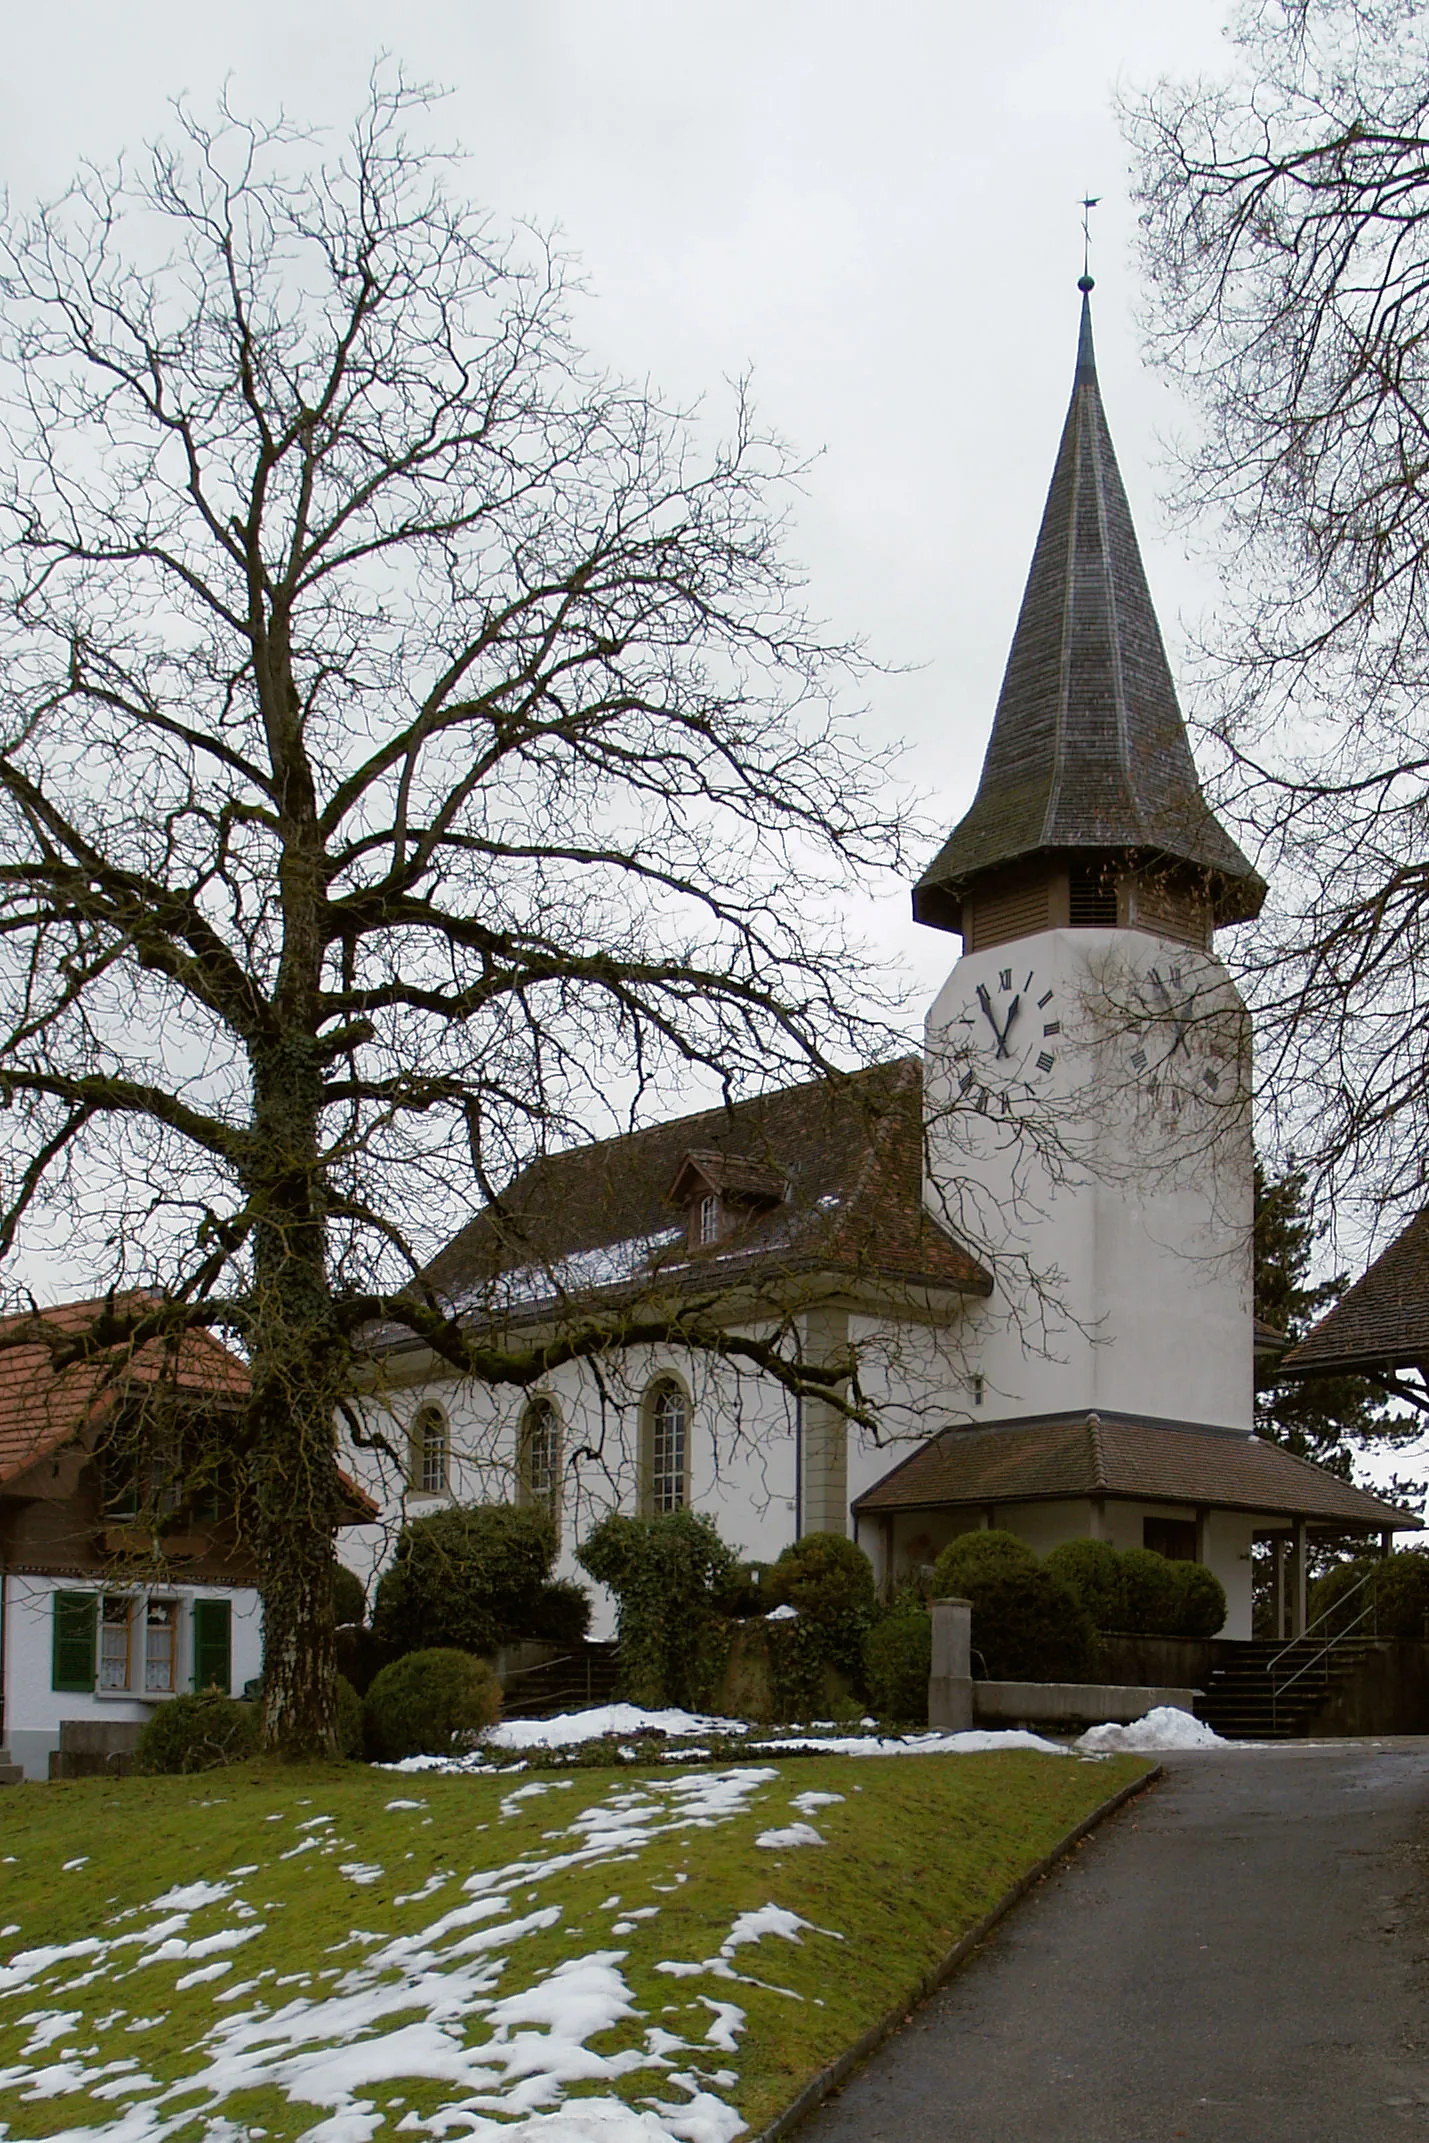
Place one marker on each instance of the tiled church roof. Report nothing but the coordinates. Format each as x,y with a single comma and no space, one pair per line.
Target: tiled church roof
597,1221
1088,748
1075,1455
1380,1322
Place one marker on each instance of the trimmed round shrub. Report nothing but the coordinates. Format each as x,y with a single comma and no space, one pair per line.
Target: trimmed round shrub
1091,1569
1201,1606
897,1660
199,1733
469,1577
349,1718
1400,1588
349,1601
1027,1625
829,1580
429,1703
1153,1596
670,1576
973,1555
1330,1594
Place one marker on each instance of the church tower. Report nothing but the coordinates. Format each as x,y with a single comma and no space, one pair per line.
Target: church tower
1087,1074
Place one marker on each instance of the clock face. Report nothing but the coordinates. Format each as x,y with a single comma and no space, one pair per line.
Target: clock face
1179,1048
1011,1027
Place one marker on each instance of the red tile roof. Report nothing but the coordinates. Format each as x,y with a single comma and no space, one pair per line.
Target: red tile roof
41,1408
1076,1455
1380,1322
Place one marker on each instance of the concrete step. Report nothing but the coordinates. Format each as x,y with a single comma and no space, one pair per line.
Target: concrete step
11,1773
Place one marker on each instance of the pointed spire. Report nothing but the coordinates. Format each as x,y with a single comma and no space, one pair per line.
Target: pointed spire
1086,355
1088,754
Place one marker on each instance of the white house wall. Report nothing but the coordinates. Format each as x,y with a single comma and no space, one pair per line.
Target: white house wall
34,1710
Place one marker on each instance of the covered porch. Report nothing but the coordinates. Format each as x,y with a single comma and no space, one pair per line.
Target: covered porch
1186,1490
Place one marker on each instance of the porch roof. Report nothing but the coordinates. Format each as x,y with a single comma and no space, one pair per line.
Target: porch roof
1055,1456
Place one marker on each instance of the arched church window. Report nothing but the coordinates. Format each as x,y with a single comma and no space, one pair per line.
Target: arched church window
431,1451
666,1441
540,1456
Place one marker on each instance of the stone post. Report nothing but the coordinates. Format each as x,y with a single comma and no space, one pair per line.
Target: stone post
950,1685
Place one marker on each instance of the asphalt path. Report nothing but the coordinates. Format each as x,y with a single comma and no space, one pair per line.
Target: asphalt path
1241,1955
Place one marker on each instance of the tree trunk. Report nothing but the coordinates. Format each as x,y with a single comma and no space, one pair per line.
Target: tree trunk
297,1364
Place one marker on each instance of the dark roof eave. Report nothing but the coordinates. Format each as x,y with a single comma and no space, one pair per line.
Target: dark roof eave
732,1280
1393,1519
938,895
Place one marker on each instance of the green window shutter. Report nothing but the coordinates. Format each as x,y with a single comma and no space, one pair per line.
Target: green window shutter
72,1661
212,1645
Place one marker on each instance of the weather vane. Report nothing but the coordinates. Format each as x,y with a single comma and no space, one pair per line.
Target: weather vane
1086,280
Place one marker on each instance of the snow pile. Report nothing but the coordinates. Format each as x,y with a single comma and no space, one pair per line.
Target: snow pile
793,1834
573,1727
1163,1728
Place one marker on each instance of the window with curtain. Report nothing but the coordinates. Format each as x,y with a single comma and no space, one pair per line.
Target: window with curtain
115,1624
160,1645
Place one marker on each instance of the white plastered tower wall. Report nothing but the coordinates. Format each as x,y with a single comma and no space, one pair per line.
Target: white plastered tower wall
1105,1170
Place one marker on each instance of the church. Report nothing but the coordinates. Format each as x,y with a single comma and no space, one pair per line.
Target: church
1022,1260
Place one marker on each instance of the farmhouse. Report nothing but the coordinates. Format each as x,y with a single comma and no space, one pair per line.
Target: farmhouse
1023,1260
122,1578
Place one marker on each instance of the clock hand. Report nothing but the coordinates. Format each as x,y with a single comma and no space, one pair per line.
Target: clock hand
1177,1017
1000,1033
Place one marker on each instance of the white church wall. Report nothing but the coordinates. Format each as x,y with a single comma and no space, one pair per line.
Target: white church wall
743,1469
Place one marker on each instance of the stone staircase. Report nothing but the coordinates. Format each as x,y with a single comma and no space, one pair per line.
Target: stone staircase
1242,1704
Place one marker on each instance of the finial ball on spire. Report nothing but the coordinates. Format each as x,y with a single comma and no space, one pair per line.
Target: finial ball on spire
1086,283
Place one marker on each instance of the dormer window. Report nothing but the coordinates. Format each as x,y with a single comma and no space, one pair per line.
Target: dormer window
722,1193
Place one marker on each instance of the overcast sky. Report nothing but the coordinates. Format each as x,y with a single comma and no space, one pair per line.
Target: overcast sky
873,209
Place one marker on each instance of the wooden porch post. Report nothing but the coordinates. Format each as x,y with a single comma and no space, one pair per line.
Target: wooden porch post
1277,1587
1297,1580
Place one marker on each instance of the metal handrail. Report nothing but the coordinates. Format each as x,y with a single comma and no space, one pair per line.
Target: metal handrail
1324,1616
1277,1689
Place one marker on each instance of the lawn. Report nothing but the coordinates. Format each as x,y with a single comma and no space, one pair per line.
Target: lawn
342,1952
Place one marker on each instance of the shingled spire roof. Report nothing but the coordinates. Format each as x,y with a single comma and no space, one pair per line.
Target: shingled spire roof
1088,749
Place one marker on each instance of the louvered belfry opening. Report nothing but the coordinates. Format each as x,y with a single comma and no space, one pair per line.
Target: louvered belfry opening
1088,770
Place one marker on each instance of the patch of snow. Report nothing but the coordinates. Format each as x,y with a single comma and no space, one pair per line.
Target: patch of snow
573,1727
728,2019
360,1871
793,1834
204,1971
806,1803
975,1742
406,1804
82,1862
1164,1727
192,1897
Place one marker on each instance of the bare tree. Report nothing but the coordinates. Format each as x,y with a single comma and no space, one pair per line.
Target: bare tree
1285,235
409,741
